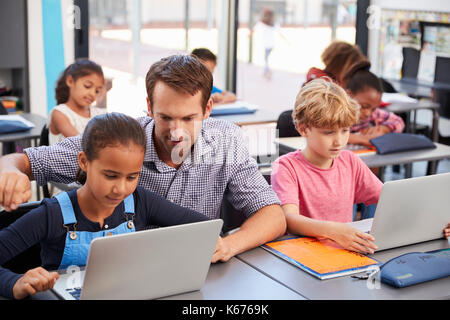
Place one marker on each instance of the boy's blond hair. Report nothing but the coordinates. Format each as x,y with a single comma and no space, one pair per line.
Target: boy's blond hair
324,104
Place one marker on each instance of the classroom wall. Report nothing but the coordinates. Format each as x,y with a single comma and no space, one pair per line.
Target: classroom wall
410,5
50,49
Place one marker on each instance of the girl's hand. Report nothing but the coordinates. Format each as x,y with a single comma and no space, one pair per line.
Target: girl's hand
33,281
374,132
352,239
447,231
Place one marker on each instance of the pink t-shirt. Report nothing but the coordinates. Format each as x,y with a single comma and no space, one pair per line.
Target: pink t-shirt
325,194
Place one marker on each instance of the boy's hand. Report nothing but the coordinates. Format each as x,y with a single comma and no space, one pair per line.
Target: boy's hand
447,231
33,281
15,189
352,239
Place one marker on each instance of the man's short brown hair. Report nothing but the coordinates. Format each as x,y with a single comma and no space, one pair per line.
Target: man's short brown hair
182,73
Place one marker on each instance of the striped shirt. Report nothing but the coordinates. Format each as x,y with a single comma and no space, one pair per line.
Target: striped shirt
384,118
219,165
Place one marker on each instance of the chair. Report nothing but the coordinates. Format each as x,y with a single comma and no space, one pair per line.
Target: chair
442,96
44,141
231,217
285,125
31,257
410,65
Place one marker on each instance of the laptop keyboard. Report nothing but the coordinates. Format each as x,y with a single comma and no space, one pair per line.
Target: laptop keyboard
75,292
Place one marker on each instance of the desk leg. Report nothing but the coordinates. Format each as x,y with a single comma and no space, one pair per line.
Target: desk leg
432,165
408,170
380,173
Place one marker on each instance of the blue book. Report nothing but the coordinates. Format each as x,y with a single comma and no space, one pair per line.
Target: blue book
232,110
238,107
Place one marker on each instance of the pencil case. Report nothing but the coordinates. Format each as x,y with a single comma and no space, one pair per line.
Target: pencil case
398,142
416,267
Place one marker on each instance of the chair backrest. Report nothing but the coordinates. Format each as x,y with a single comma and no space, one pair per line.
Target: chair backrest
285,125
410,66
3,110
231,217
442,73
43,139
30,258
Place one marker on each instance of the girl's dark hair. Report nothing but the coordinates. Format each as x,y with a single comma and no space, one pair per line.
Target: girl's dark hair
106,130
78,69
358,77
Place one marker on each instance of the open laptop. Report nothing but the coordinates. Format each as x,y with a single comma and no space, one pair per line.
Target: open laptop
144,265
410,211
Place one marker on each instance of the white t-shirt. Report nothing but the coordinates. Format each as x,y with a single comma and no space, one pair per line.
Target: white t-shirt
77,121
266,34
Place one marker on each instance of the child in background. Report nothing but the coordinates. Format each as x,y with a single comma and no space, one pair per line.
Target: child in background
337,58
268,29
77,88
319,185
108,203
209,60
365,87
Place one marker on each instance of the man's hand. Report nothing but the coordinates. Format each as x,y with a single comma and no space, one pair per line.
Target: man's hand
33,281
15,189
15,176
222,251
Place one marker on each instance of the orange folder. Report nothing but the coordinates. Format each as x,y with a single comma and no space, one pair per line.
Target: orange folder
322,258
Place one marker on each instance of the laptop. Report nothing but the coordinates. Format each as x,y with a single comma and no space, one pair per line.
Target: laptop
410,211
144,265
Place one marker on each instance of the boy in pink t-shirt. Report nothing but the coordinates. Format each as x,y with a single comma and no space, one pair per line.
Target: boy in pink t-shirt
319,185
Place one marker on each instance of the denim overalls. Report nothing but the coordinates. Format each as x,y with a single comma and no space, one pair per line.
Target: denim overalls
78,242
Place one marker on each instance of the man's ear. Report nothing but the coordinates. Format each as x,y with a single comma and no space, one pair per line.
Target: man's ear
149,108
82,160
208,108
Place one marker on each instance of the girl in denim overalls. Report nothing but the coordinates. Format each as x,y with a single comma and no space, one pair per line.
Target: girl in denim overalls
107,204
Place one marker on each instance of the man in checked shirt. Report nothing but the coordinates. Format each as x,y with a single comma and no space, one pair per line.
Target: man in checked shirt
191,159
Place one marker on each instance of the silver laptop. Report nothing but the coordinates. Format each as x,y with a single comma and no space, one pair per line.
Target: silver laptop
144,265
410,211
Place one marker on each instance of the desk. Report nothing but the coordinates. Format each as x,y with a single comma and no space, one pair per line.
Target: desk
347,287
417,88
235,280
232,280
400,107
261,116
441,151
31,135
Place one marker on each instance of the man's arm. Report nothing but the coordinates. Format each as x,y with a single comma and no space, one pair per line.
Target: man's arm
264,225
15,176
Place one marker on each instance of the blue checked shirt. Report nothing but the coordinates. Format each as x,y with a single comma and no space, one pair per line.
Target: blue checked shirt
219,164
